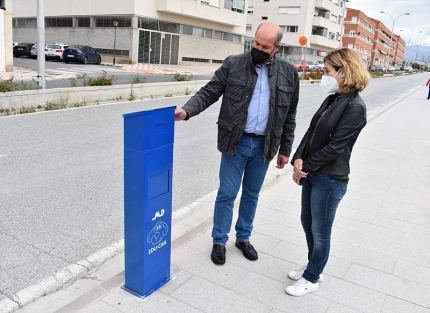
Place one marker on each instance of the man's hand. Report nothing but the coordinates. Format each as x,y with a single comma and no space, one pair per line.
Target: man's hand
282,160
180,114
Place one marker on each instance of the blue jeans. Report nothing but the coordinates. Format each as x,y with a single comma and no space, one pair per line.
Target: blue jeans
321,195
246,167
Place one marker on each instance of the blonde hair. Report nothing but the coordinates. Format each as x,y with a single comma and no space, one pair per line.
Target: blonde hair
356,75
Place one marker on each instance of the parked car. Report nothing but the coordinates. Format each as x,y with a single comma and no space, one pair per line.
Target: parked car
311,65
55,51
82,54
301,66
408,69
33,52
22,49
391,68
319,65
377,68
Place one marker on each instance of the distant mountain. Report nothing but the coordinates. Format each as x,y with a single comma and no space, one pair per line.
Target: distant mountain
419,53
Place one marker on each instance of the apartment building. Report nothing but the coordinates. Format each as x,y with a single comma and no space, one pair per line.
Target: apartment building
175,31
6,54
147,31
372,39
320,21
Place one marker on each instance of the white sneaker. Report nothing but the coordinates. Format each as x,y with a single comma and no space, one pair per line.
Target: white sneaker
301,287
297,274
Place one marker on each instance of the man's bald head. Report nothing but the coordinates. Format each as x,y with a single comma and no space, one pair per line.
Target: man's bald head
270,30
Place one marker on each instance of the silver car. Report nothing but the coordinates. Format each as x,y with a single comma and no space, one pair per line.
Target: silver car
33,52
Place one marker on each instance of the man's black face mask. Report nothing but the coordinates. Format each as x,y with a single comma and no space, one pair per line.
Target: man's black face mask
259,56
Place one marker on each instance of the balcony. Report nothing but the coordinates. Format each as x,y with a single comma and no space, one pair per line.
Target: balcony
321,22
203,11
324,41
324,4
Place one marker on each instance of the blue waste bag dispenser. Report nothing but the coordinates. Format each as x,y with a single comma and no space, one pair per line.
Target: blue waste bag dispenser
148,166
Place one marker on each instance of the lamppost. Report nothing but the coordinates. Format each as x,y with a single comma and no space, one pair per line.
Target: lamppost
343,22
416,54
392,30
115,25
410,36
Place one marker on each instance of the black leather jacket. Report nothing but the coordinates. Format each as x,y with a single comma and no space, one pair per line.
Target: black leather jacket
236,80
327,145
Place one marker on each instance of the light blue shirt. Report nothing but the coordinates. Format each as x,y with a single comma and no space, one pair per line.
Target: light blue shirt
258,111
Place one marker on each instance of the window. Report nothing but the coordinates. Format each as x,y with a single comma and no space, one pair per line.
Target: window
159,25
339,20
208,33
27,22
264,17
198,32
333,18
248,26
59,22
331,36
107,21
237,5
352,33
83,22
248,44
289,28
250,10
187,30
218,35
289,10
227,37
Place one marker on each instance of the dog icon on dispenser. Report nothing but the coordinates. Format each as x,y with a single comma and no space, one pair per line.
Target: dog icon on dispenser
157,233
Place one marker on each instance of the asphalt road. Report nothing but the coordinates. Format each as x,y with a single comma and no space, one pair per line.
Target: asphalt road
61,182
93,70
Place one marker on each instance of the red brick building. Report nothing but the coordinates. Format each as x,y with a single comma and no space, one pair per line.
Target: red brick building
371,38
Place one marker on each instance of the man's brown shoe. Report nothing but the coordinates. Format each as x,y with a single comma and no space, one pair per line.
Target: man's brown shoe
247,250
218,254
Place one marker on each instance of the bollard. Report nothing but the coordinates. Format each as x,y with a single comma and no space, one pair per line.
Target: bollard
148,166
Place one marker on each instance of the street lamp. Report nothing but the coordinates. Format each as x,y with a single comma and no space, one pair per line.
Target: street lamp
392,30
416,54
115,24
410,36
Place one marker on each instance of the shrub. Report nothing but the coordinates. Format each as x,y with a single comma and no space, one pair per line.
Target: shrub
9,85
312,75
101,80
182,77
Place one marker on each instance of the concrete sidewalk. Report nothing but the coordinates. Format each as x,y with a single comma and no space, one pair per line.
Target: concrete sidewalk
380,256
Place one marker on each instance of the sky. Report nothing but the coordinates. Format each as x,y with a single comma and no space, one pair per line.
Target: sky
418,20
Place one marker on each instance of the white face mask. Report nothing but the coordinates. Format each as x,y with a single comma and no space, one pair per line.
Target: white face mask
329,84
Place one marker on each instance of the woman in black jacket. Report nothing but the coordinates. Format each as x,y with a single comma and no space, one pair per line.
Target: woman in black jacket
321,162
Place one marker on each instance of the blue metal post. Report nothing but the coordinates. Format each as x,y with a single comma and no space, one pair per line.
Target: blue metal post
148,165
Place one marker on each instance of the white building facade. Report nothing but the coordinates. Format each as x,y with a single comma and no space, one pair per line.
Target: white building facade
148,31
176,31
6,56
320,21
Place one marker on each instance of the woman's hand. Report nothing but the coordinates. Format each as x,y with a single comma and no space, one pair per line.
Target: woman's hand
298,174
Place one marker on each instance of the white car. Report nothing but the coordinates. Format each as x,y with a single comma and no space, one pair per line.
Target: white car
391,68
33,52
319,65
55,51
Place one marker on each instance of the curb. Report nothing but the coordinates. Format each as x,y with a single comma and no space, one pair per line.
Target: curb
60,279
